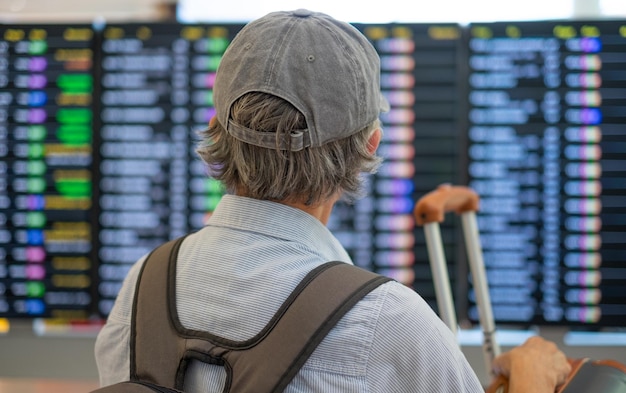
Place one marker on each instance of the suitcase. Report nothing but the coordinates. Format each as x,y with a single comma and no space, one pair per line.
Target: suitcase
598,376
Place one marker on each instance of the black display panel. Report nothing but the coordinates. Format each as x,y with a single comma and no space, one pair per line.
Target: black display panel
421,68
152,89
97,162
156,92
547,152
46,172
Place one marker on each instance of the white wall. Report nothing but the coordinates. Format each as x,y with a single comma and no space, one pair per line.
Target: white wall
27,11
461,11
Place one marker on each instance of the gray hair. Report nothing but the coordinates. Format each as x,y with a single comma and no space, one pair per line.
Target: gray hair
310,175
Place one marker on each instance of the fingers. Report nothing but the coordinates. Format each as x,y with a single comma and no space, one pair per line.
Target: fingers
502,364
537,361
553,357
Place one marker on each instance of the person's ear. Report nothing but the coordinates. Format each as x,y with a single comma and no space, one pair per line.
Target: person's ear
374,141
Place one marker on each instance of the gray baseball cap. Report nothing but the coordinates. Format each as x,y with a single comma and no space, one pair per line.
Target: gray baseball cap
325,68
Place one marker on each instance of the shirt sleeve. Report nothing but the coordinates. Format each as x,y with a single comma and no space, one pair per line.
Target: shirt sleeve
413,350
112,348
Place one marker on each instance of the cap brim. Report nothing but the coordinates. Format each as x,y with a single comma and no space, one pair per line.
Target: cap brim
384,104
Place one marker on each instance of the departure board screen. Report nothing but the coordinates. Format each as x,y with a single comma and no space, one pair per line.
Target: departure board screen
547,152
147,91
420,77
46,173
98,126
156,92
156,83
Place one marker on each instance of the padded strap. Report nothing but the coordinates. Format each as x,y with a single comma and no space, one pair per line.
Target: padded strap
161,348
271,364
154,343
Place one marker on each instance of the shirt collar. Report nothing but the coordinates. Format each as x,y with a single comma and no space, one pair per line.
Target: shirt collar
277,220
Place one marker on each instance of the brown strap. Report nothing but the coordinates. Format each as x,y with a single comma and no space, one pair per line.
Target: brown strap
154,345
270,365
266,362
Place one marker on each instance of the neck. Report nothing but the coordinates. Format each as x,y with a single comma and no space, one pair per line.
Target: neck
321,210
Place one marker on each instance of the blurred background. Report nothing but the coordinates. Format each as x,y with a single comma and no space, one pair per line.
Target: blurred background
36,348
393,10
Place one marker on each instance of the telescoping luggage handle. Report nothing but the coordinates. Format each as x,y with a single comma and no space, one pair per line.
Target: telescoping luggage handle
429,212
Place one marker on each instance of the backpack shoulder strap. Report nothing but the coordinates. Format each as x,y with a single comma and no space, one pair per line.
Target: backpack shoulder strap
161,347
154,342
327,294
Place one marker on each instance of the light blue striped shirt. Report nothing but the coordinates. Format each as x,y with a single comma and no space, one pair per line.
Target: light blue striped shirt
236,272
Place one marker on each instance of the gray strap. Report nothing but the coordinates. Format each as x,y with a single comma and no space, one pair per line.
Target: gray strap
270,365
265,363
155,347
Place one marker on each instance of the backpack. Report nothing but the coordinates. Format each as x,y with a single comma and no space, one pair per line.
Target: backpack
161,348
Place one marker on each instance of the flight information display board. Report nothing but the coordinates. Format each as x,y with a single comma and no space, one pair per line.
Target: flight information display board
97,163
547,153
156,92
421,146
46,173
150,89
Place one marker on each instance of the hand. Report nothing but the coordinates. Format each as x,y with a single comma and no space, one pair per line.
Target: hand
536,366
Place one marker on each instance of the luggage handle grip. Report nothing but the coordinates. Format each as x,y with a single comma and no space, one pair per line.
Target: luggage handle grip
445,198
429,212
